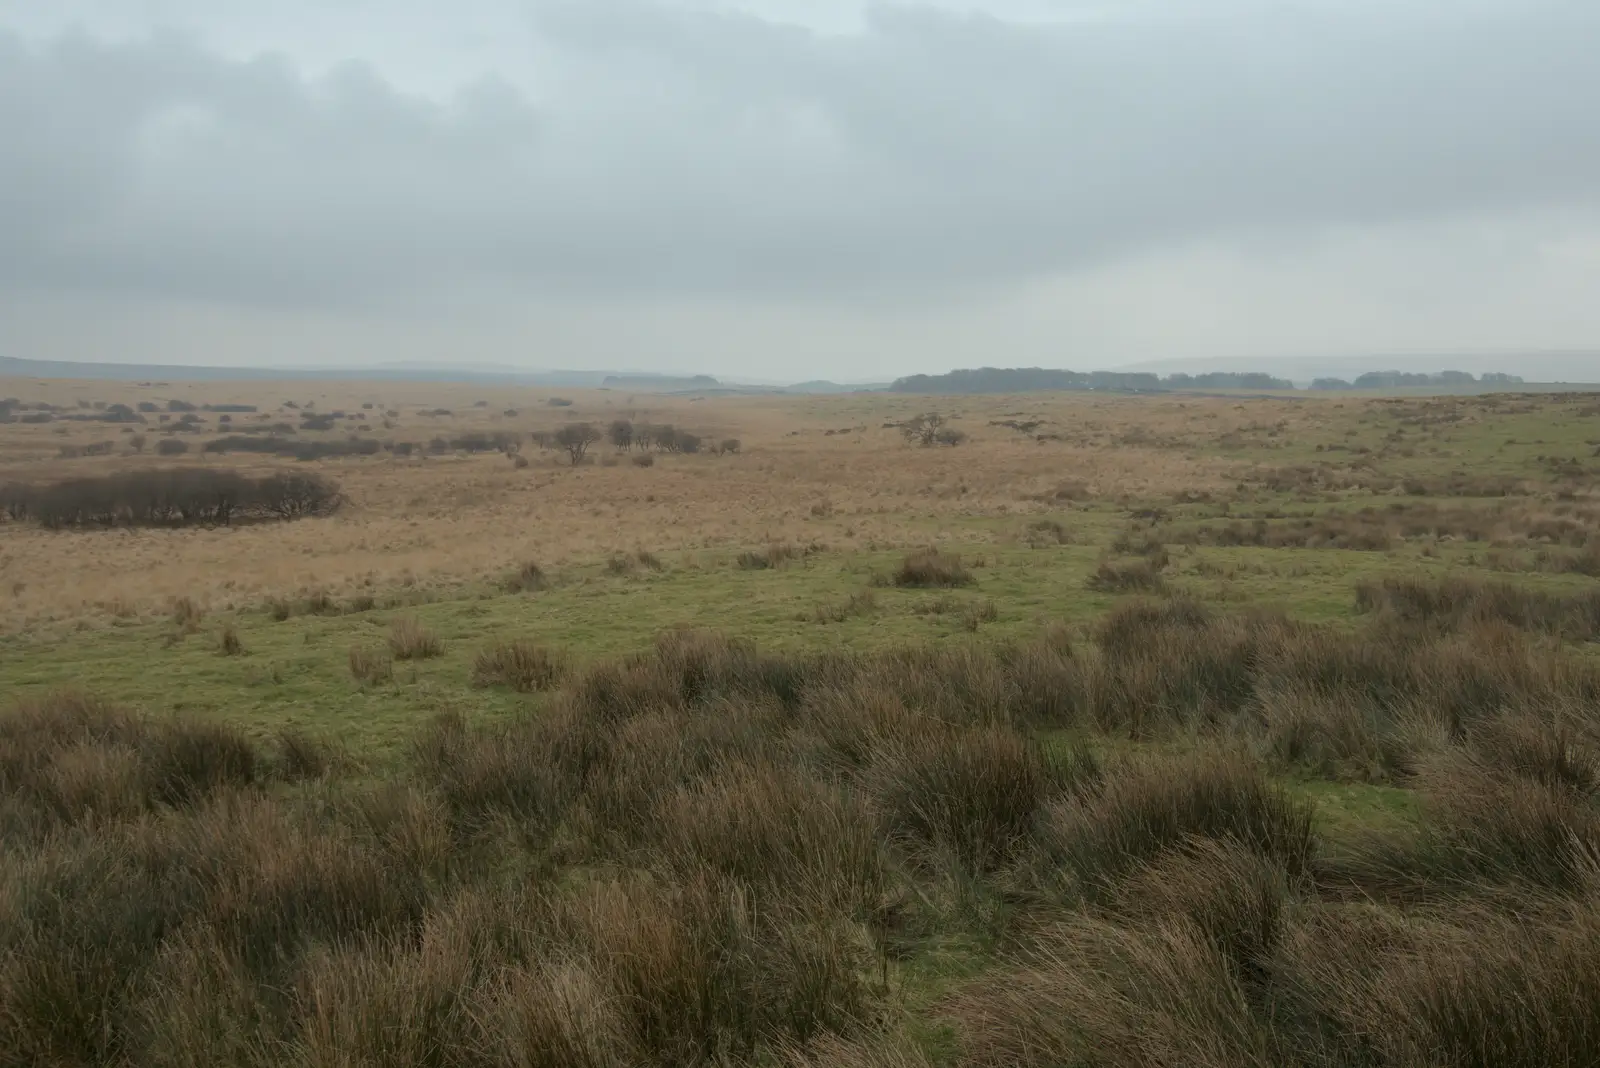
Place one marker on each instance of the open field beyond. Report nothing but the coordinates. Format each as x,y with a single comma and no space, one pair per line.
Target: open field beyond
1098,730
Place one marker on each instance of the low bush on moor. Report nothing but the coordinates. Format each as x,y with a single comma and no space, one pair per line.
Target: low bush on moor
184,496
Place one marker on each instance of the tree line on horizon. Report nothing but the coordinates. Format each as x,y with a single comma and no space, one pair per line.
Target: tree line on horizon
1031,379
1397,379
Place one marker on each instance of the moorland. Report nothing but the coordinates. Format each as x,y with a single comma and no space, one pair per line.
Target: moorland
416,724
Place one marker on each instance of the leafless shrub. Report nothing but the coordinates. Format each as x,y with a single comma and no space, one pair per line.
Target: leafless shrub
173,497
621,434
576,439
931,429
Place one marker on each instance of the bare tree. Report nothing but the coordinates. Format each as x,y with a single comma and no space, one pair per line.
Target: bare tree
576,439
924,429
621,434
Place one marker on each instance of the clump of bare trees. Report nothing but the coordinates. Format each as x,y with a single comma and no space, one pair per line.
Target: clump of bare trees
625,435
930,429
174,497
576,439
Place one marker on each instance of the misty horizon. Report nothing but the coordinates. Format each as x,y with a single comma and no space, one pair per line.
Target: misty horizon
776,191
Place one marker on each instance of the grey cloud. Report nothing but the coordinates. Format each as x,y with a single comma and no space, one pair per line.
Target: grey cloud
666,150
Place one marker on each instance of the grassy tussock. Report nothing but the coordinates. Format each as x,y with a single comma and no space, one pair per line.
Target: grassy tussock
860,604
228,641
519,665
410,640
773,556
370,665
931,569
529,578
1460,602
1519,817
713,854
68,757
1467,985
756,823
970,794
1098,834
1127,576
1092,991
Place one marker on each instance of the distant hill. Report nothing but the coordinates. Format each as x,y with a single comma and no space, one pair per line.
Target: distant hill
659,383
824,386
1024,380
412,372
142,372
1034,379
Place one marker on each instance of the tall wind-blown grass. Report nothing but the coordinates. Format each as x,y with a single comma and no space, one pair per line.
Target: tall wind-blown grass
1070,850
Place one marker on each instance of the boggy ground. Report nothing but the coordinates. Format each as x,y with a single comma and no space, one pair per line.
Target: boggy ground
831,473
1192,837
1185,731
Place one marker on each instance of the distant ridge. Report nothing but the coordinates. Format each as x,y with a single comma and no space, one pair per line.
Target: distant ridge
642,381
144,372
980,380
1036,379
141,372
825,386
663,383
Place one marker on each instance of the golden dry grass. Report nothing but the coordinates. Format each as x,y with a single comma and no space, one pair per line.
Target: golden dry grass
829,471
441,520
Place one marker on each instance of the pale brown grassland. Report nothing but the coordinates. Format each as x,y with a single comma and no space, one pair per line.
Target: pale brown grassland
1127,732
811,470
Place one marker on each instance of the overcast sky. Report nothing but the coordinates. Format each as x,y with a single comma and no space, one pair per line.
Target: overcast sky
790,189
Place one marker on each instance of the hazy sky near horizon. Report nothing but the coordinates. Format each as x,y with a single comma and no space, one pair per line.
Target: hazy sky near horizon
789,189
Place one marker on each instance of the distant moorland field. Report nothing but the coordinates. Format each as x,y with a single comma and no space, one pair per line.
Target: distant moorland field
389,723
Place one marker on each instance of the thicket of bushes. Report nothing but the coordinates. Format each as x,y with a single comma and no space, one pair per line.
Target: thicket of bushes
171,497
663,437
710,854
300,450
